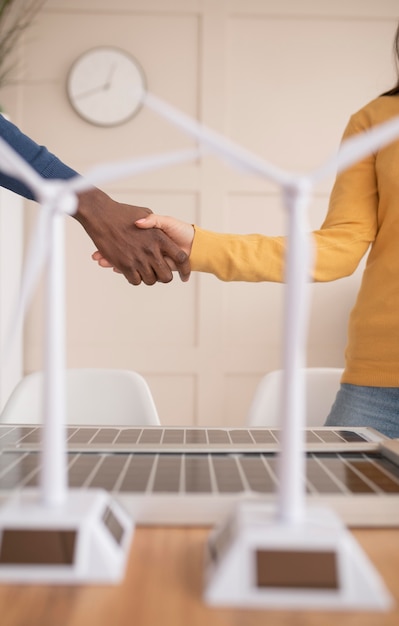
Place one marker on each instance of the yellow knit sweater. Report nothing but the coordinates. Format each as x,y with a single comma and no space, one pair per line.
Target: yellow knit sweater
363,210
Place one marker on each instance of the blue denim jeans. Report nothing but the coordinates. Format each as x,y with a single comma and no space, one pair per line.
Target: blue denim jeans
366,406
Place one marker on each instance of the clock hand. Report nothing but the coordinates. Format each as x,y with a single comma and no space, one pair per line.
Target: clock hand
104,87
111,72
89,92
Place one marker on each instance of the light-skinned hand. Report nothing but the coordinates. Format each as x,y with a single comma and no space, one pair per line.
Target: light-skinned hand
181,234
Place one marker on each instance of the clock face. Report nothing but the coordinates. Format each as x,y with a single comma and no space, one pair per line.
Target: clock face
105,86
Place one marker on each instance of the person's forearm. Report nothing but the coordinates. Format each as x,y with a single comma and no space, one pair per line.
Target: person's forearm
39,158
140,256
251,258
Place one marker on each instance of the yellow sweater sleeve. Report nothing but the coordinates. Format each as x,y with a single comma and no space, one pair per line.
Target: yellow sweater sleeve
343,239
251,258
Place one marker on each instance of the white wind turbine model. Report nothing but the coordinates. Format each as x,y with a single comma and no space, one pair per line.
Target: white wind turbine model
256,538
61,535
290,555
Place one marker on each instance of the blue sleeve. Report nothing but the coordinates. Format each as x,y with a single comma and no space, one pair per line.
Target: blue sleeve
45,163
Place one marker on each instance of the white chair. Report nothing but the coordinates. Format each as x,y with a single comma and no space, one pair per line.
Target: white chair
322,384
94,396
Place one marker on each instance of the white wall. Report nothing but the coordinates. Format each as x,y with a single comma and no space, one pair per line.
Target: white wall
281,77
11,249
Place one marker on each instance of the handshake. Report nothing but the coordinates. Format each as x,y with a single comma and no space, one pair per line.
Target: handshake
146,247
181,235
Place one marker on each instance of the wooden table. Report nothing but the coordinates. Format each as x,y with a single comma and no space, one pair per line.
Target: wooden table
163,587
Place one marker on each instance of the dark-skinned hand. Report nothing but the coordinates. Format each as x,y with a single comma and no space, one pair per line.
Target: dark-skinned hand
140,255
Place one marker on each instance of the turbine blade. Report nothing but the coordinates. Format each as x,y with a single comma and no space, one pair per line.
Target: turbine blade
108,172
358,147
232,152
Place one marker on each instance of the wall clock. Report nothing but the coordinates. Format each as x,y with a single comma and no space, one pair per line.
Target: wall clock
105,86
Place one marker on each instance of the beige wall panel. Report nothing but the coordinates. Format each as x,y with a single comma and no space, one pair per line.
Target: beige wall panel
124,6
311,8
253,314
175,397
238,392
352,8
255,213
292,84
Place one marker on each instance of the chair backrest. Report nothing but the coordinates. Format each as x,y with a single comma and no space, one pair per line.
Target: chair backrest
322,384
94,396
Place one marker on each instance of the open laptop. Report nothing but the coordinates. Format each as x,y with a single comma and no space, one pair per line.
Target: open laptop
194,476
